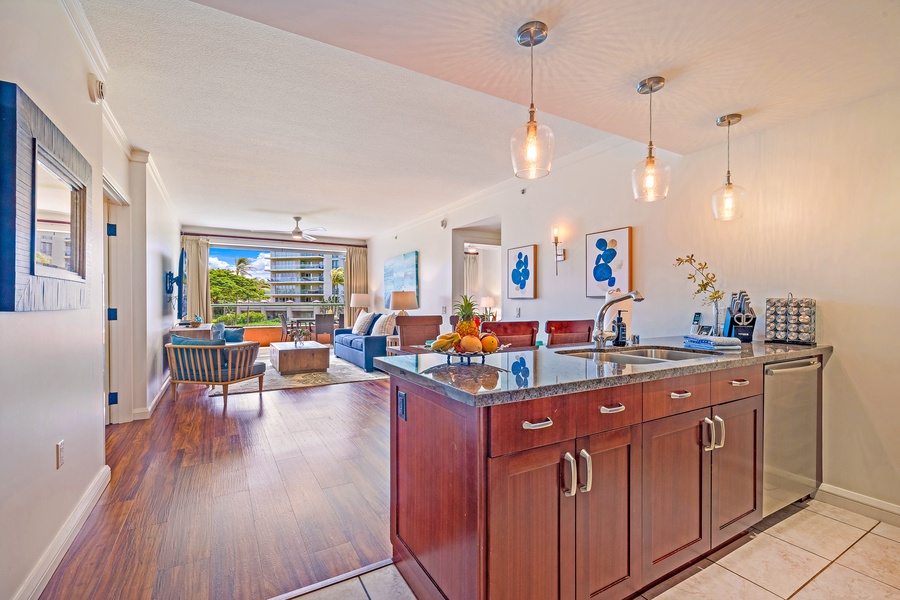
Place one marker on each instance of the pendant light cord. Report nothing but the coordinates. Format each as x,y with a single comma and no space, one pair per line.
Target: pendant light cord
728,153
651,113
532,66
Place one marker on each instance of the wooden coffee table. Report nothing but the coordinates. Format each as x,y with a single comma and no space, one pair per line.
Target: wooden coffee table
306,358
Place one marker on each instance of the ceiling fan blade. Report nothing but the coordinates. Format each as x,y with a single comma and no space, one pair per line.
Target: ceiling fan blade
308,237
316,229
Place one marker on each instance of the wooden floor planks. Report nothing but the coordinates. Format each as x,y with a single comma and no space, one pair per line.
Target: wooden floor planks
267,496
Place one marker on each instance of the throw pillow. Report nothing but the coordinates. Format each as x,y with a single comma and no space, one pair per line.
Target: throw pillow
218,331
374,320
178,340
385,325
362,323
233,336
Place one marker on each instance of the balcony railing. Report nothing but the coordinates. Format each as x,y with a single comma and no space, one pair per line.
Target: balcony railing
266,313
293,254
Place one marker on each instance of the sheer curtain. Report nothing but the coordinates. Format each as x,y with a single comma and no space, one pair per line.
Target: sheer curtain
356,278
198,302
470,276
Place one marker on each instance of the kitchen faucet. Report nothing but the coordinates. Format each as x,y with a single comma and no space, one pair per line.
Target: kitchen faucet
600,336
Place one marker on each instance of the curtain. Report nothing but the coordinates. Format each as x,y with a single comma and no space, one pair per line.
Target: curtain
470,276
356,279
198,302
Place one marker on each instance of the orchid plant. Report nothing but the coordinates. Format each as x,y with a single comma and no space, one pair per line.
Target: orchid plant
703,277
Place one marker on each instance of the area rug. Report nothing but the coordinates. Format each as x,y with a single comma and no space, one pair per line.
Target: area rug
339,371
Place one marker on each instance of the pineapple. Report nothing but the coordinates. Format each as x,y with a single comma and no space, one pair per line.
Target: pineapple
468,325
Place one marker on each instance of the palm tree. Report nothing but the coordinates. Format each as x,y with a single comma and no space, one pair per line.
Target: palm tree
242,267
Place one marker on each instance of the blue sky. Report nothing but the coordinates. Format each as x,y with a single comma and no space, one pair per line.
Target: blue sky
224,258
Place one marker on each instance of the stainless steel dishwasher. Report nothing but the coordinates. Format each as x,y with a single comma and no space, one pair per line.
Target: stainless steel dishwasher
791,433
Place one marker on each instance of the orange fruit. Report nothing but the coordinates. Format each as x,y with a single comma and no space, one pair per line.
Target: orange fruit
490,343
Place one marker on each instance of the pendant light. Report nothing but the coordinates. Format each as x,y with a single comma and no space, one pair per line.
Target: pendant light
728,201
532,144
650,177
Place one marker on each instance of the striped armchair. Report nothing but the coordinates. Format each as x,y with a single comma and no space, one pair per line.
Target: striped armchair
214,365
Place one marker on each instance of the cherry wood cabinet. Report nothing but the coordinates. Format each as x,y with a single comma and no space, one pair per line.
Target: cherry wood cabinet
591,495
702,474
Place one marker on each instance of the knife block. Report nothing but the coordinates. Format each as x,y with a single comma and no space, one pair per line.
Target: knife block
741,332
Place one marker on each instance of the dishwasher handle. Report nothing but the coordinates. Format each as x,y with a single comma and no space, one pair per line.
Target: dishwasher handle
810,367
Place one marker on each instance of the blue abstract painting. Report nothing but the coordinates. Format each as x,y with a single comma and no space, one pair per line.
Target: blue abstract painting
521,272
401,274
608,262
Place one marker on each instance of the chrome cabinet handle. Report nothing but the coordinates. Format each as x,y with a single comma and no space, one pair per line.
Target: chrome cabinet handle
573,473
589,468
740,382
712,435
610,411
680,395
721,423
548,422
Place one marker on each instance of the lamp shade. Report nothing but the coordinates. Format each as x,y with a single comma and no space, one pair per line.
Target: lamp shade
650,179
728,201
532,147
403,301
359,301
488,302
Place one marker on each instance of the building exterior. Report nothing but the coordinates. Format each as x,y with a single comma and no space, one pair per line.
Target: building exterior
302,276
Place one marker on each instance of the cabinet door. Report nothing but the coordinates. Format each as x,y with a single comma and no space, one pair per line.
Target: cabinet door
531,524
676,492
737,468
608,515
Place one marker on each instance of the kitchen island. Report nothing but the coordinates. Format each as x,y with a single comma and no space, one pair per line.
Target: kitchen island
540,475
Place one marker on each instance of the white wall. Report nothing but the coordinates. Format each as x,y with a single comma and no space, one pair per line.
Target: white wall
51,362
822,222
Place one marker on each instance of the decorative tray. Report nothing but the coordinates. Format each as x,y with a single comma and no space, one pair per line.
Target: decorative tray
466,357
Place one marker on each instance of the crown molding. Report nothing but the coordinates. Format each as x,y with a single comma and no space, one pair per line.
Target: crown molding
118,134
153,170
89,42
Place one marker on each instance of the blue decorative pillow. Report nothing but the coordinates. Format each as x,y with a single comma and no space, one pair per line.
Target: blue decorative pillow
233,336
375,318
218,331
178,340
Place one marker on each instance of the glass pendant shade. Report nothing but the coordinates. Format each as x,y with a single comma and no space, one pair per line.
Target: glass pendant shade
728,201
650,179
532,149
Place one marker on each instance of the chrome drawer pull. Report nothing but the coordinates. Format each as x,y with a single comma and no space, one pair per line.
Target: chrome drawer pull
589,467
721,423
542,425
573,473
610,411
740,382
712,435
680,395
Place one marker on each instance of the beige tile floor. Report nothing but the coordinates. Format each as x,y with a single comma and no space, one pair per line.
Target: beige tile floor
808,551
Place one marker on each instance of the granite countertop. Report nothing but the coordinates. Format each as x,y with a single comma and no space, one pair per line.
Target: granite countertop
525,375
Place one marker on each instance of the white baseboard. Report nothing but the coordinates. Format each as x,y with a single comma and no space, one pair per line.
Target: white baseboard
43,570
144,413
864,505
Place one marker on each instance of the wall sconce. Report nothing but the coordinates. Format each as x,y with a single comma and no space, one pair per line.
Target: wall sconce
170,283
560,253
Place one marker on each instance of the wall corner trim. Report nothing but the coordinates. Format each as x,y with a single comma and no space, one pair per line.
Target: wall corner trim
145,413
89,42
40,575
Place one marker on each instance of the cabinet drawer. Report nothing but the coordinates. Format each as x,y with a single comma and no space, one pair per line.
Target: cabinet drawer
611,408
523,425
675,395
734,384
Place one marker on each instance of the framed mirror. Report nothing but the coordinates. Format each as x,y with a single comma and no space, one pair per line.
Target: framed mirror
45,206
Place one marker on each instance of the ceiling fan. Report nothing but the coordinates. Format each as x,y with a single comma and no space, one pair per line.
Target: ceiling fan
303,234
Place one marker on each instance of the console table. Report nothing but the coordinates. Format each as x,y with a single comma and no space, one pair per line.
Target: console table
203,332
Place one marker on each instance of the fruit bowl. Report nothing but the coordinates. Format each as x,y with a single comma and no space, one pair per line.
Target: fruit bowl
466,357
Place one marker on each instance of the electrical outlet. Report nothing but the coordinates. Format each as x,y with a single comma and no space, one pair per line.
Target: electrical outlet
518,311
60,453
443,310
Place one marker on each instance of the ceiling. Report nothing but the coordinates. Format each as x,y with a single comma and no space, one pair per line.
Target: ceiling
363,115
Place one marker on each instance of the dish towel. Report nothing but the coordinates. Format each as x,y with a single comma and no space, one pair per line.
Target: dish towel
714,343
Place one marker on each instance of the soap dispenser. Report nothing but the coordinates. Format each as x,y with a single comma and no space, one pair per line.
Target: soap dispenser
621,333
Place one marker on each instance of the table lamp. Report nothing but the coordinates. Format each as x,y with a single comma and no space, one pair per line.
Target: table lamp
359,301
487,303
403,301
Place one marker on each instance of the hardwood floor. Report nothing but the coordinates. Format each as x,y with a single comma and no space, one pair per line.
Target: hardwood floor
254,501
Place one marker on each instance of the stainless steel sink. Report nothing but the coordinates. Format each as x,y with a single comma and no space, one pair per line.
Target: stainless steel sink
636,356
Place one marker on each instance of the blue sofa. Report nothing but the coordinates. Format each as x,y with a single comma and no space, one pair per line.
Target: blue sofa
359,349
